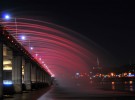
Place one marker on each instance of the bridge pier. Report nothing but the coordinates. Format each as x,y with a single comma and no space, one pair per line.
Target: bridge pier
43,77
33,76
13,58
38,77
27,75
1,69
17,73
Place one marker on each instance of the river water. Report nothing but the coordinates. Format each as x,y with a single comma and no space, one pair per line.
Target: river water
128,86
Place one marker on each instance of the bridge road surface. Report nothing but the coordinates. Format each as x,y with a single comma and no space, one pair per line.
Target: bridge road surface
62,93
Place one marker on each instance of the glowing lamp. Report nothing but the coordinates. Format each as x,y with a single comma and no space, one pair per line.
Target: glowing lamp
52,75
7,82
31,48
77,73
23,37
6,62
7,17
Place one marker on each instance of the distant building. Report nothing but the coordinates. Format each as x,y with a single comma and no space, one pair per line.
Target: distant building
97,69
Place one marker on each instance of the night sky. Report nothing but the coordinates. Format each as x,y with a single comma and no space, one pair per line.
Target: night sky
109,24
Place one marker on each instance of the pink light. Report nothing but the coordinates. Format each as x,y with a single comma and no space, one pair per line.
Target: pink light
31,48
52,75
62,52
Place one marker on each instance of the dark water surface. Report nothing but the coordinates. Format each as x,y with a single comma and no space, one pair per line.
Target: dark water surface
128,86
100,91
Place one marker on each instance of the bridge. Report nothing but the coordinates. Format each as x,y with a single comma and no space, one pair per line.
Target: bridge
33,52
18,67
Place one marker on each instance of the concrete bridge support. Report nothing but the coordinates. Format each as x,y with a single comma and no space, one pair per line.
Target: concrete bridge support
1,70
17,73
38,74
33,76
43,76
27,75
38,77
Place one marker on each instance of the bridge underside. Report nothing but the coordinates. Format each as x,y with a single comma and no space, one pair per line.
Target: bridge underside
18,71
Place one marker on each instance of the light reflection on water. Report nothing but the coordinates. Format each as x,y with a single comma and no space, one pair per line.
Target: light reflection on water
113,85
122,86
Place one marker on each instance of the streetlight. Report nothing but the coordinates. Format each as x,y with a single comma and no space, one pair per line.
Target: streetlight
23,37
31,48
7,17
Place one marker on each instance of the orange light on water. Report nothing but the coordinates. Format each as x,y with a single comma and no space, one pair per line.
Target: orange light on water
113,82
130,82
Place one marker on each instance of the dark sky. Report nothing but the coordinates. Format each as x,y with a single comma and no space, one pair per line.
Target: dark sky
109,24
